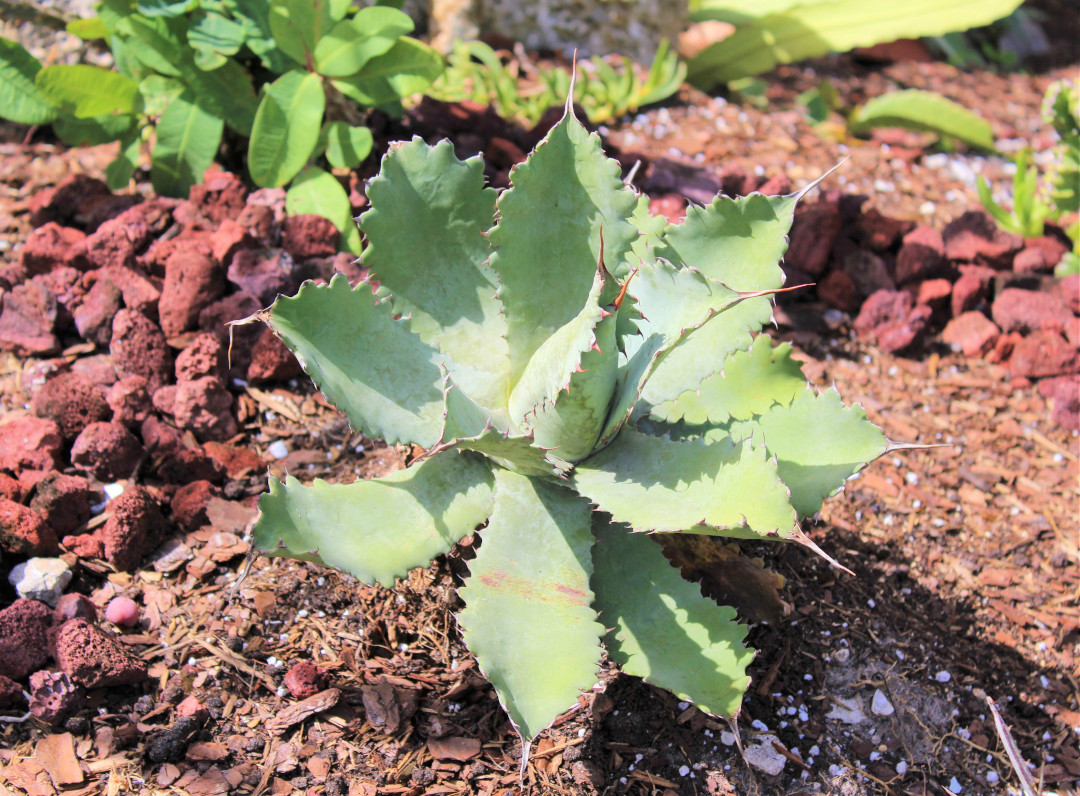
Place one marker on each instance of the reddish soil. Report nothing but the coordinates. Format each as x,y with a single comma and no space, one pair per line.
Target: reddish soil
273,676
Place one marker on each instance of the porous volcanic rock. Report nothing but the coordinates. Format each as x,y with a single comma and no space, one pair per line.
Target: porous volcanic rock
63,501
129,400
204,356
305,680
1043,354
189,505
838,289
219,196
73,606
264,273
1018,310
23,531
140,291
29,442
813,233
971,288
94,315
72,402
237,460
228,239
138,348
28,315
135,528
975,238
107,450
1063,392
892,320
308,235
51,246
1068,290
192,282
204,407
94,659
53,696
271,360
191,464
921,256
10,693
24,644
71,198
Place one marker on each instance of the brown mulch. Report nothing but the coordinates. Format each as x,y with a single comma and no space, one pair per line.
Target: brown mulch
965,557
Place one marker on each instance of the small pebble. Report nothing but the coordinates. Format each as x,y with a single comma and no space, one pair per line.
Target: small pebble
277,449
955,786
41,579
122,611
880,704
943,676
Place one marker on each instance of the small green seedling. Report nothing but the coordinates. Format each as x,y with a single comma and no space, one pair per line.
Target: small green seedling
583,378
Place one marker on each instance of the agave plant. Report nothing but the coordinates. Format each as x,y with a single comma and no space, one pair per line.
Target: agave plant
580,376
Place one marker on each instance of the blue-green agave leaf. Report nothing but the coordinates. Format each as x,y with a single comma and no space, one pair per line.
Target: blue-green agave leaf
367,363
528,615
661,627
379,529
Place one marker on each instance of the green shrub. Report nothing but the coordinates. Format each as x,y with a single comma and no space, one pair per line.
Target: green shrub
582,376
286,75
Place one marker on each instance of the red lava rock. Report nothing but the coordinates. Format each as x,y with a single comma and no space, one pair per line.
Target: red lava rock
191,283
892,321
1018,310
98,368
73,606
271,360
263,273
305,680
29,443
164,399
204,407
139,348
1068,290
237,461
24,644
192,240
71,197
975,238
1072,331
219,196
308,235
140,292
28,321
776,185
869,271
129,401
10,489
107,450
53,696
880,232
51,246
93,317
839,290
671,206
229,238
1043,354
259,221
122,611
1032,260
72,402
116,242
1003,348
921,256
216,317
191,464
24,532
812,236
935,294
10,693
84,545
94,659
191,708
971,289
971,332
63,501
1063,392
204,356
134,529
189,505
160,438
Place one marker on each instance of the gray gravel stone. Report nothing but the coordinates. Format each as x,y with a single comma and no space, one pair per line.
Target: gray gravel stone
41,579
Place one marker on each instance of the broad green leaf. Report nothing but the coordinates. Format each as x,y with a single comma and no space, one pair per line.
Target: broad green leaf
657,484
662,629
20,100
317,191
346,146
425,231
546,262
186,143
286,128
562,398
818,443
528,615
298,25
226,92
92,132
369,365
406,68
255,16
924,111
118,173
217,33
351,43
739,243
815,29
749,383
159,43
157,92
87,29
87,91
164,8
377,530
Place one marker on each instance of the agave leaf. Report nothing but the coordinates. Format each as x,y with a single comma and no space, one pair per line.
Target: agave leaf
380,529
562,398
738,242
528,617
663,629
727,575
546,262
369,365
425,231
658,484
819,443
749,383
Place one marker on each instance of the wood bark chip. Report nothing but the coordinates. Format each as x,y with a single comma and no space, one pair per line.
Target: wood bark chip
56,753
294,714
454,748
